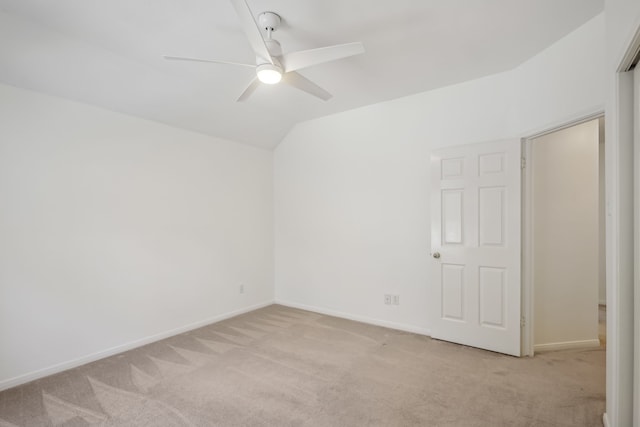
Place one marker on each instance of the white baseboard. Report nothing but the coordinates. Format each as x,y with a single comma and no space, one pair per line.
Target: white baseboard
40,373
567,345
605,420
363,319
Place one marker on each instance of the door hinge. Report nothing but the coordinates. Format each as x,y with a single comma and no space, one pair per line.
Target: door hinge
523,162
522,322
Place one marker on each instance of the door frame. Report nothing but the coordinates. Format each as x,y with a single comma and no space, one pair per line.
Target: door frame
623,163
528,291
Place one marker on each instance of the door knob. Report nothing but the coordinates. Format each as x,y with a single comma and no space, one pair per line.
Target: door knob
436,255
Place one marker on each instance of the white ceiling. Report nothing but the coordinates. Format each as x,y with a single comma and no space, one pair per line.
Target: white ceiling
108,53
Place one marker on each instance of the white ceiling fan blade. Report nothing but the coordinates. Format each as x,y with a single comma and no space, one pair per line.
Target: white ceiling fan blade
251,29
215,61
306,58
300,82
249,90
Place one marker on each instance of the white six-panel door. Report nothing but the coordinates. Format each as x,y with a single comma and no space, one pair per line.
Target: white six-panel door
475,245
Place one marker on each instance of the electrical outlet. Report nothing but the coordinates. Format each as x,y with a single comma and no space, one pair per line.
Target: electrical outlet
388,299
242,288
396,300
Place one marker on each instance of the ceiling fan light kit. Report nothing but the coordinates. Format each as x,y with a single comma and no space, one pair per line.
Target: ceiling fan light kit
272,66
269,73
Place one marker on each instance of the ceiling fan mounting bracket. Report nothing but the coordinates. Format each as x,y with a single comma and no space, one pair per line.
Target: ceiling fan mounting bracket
269,21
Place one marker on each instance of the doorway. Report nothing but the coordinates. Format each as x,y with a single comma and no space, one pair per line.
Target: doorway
564,238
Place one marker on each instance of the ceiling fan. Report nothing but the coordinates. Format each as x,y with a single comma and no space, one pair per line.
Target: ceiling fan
272,66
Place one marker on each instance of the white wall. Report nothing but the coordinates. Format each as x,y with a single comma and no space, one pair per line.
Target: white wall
622,21
352,206
116,229
566,238
565,81
352,190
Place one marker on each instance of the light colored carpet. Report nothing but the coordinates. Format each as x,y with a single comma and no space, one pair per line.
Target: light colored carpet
284,367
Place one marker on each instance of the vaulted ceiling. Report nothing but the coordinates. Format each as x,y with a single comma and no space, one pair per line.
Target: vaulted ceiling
109,53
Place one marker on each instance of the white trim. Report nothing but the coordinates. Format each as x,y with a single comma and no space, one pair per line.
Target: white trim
54,369
567,122
527,251
605,420
633,49
618,264
364,319
567,345
636,243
